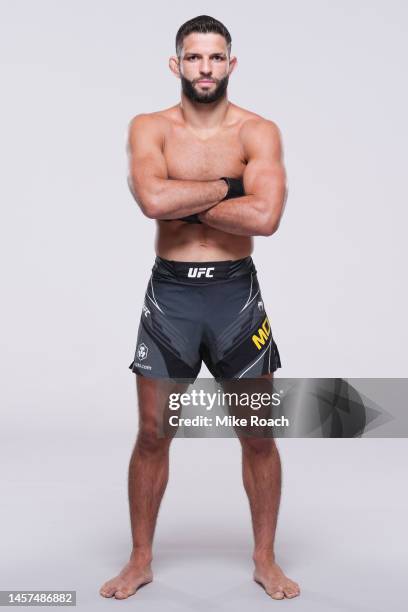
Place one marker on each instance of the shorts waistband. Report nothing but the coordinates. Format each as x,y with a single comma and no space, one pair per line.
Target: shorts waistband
203,271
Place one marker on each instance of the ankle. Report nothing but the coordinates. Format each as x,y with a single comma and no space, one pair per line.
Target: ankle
265,555
141,555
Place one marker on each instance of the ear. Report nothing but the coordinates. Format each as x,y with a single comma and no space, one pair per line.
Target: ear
233,64
174,65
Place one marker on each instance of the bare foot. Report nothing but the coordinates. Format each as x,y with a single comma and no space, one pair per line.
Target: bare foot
269,575
135,574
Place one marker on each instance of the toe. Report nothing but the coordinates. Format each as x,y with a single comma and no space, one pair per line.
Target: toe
278,594
124,592
291,588
106,591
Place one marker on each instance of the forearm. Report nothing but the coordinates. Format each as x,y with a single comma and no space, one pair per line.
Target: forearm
245,216
173,198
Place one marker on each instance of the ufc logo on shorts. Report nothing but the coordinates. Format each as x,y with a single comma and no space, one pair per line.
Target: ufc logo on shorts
198,272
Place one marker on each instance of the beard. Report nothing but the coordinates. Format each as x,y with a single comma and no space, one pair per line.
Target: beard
204,97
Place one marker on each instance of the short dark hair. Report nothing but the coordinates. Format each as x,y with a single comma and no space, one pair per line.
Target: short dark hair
203,24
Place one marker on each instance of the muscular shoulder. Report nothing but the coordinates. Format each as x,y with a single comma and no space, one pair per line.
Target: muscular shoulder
153,125
258,131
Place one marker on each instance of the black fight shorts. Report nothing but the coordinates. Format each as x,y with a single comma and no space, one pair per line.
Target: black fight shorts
204,311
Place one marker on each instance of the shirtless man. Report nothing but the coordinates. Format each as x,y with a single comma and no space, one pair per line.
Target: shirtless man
203,300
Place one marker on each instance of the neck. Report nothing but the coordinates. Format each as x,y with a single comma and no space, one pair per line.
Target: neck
199,115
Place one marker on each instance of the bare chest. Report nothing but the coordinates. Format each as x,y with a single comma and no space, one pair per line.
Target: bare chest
191,158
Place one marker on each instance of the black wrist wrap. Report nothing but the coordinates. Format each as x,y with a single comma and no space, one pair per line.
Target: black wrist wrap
235,187
190,219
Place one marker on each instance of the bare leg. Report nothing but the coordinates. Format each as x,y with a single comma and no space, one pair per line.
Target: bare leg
261,470
262,481
148,476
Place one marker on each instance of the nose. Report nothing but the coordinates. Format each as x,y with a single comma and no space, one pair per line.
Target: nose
205,67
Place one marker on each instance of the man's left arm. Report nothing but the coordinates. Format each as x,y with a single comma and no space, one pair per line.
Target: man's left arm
258,213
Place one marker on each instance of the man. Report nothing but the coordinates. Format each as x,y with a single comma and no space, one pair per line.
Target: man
211,174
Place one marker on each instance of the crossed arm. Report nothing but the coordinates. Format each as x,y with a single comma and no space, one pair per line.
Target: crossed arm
257,213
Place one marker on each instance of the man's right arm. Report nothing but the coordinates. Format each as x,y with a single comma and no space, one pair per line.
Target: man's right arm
158,196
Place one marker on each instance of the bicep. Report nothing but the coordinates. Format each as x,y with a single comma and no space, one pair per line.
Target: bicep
145,155
264,174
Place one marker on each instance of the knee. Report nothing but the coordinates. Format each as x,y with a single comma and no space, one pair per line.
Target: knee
149,443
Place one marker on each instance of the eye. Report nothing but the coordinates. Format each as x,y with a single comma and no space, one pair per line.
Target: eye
192,58
218,58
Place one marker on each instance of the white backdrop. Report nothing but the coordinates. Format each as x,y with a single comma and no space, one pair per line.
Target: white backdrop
76,251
